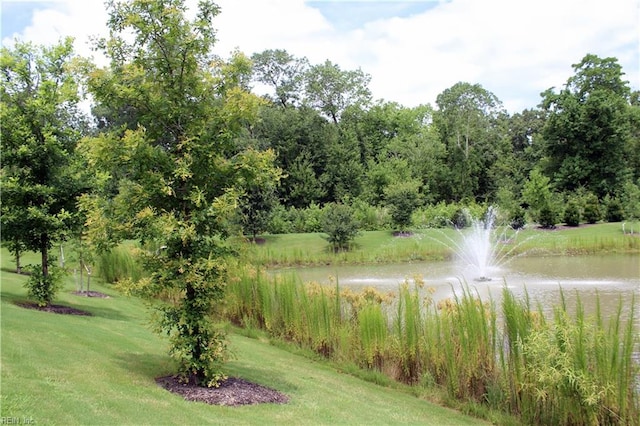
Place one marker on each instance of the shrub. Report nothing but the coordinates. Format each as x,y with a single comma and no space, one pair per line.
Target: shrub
371,218
279,222
631,201
572,214
43,288
340,225
592,211
402,199
548,217
517,218
615,212
460,219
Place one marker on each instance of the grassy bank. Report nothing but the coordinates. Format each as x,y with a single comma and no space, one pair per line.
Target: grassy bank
59,369
434,244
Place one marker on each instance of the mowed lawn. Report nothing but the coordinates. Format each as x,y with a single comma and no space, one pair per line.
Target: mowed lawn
438,244
101,369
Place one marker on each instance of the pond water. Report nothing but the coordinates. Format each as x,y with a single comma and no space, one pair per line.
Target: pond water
610,278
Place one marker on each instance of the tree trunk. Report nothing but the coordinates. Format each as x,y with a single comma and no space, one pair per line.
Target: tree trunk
18,266
44,253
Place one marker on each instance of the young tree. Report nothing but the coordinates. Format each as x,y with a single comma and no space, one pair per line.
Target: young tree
339,224
536,193
173,177
41,180
402,198
256,205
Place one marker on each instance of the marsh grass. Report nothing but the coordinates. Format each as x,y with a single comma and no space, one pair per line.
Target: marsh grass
569,369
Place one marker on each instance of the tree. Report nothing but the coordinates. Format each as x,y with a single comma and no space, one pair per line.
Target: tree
256,205
587,128
172,179
283,72
537,194
339,224
572,212
41,179
470,120
299,137
524,130
331,90
402,198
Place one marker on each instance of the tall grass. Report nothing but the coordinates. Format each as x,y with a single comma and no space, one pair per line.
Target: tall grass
568,369
118,264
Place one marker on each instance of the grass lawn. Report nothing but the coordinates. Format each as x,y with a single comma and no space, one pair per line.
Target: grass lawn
434,244
61,369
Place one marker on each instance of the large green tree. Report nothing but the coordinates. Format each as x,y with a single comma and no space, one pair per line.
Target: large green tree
283,73
588,127
171,178
470,120
331,90
41,178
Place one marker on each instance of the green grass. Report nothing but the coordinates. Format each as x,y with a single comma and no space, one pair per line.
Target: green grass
427,244
59,369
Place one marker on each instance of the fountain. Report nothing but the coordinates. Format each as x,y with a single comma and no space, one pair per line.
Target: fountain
481,247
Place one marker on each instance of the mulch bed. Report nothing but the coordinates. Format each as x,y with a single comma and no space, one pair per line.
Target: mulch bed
402,234
232,392
56,309
91,293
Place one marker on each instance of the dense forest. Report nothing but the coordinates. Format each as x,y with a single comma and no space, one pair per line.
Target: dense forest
179,152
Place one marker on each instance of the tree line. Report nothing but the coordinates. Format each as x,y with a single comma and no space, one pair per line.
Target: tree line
179,153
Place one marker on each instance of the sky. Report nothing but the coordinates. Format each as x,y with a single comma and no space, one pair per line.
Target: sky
412,49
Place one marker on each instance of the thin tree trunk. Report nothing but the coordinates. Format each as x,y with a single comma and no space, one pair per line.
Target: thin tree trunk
18,266
44,252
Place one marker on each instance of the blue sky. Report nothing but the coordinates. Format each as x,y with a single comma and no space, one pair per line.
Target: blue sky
345,15
350,15
412,49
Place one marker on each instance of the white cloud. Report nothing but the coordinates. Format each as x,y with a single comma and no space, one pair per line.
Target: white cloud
516,49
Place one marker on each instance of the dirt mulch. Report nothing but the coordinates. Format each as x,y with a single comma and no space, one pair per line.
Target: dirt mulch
91,294
56,309
232,392
403,234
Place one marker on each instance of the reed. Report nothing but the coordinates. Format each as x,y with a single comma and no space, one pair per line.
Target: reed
118,264
407,332
576,370
372,327
569,369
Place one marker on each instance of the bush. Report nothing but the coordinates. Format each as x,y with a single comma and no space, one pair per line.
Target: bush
371,218
402,199
548,217
592,211
340,225
279,223
460,219
42,288
615,212
572,214
517,218
434,216
630,199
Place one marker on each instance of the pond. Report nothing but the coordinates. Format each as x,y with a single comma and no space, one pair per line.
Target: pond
611,278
